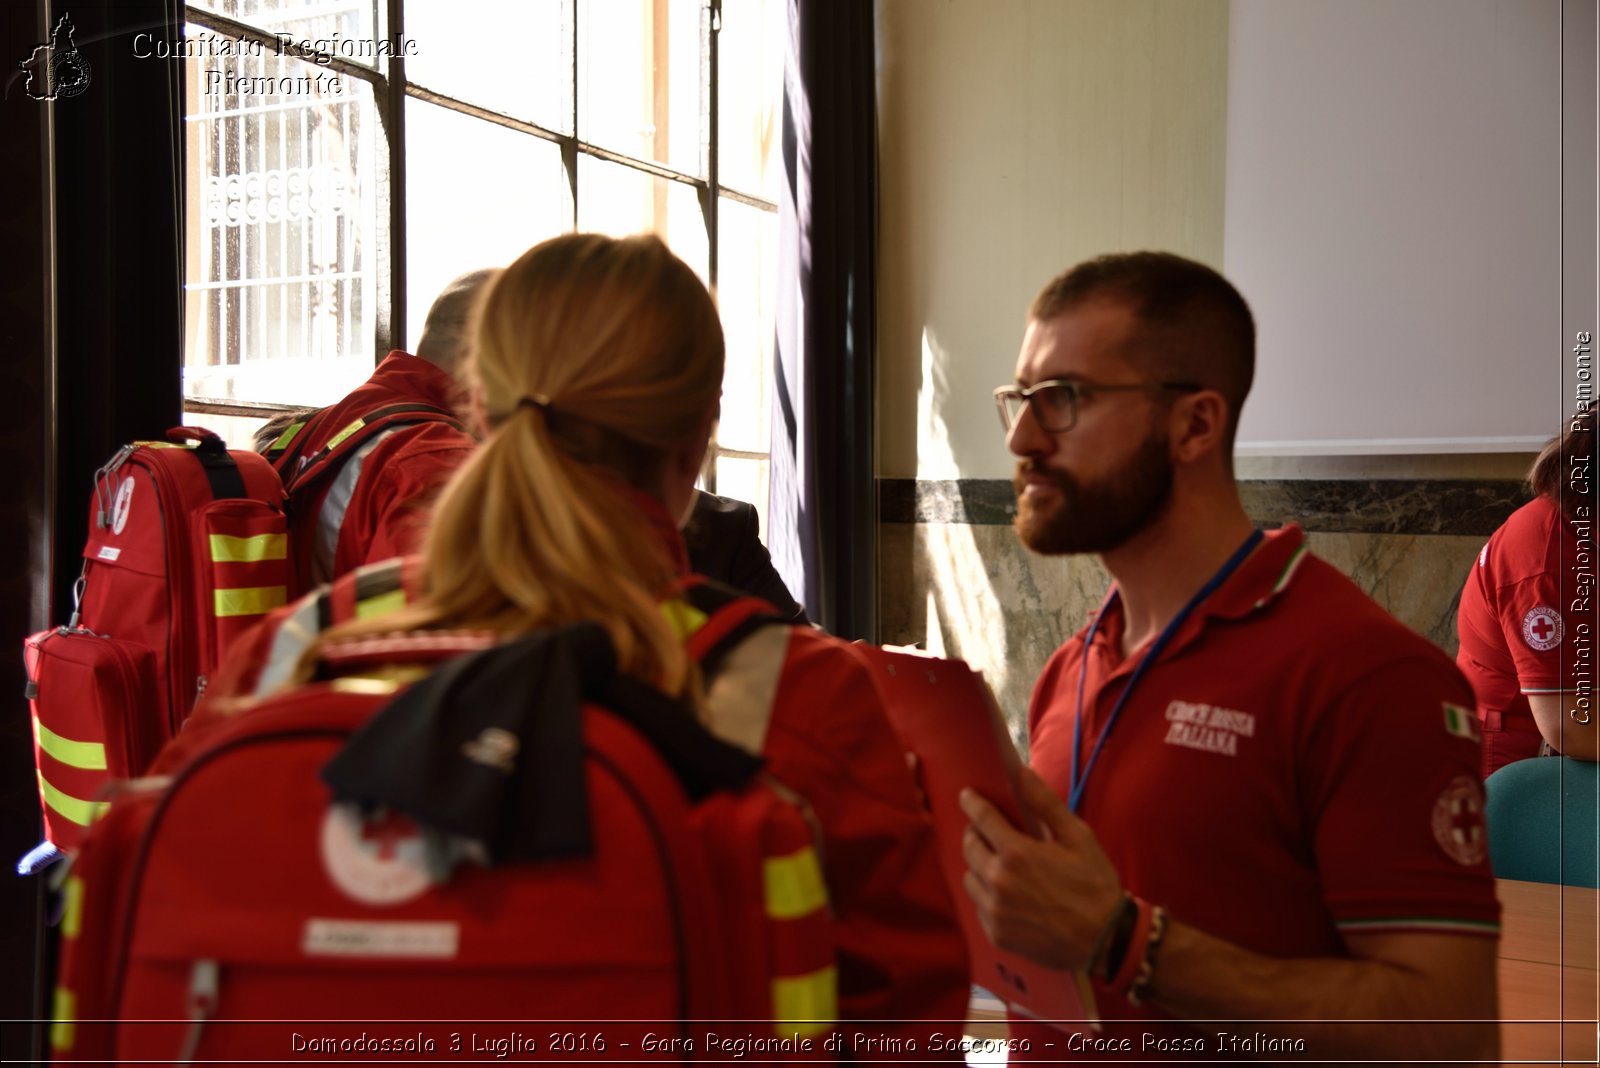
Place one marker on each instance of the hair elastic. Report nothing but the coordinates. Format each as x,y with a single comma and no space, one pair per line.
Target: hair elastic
537,401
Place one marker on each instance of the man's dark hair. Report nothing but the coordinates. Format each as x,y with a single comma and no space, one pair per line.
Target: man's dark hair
1565,470
1195,327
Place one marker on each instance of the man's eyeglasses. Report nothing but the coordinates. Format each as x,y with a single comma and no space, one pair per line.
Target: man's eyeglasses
1055,403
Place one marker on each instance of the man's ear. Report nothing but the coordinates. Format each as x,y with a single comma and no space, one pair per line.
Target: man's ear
1199,425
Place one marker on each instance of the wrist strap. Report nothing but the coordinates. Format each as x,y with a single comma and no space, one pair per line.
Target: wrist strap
1120,981
1103,939
1120,930
1147,963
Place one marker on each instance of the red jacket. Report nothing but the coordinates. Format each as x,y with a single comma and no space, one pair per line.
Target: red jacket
375,506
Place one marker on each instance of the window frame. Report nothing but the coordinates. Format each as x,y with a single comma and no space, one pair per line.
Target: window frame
391,88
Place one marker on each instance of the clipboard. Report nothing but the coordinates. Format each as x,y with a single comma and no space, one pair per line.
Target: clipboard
947,716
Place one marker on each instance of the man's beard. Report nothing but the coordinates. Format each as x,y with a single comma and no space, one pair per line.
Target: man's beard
1098,517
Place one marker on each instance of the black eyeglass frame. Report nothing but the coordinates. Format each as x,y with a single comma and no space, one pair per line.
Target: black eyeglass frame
1076,391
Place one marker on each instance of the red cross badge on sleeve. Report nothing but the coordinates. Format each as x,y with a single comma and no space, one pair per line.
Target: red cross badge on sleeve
1458,822
1541,628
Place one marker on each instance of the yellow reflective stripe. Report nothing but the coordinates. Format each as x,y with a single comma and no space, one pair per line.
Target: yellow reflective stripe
287,436
337,439
806,1004
227,549
72,907
794,885
249,600
381,604
75,809
66,1010
90,756
683,617
160,445
365,684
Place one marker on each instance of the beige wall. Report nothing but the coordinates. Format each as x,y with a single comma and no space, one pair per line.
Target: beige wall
1016,138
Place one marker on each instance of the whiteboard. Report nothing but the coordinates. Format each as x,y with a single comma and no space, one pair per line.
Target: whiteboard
1394,217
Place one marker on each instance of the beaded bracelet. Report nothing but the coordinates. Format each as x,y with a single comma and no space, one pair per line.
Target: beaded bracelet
1147,964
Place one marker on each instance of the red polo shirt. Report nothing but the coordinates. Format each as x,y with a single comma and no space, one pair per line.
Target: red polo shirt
1520,611
1295,765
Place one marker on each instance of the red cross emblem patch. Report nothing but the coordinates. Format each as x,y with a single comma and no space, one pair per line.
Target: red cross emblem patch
1541,628
1458,824
375,861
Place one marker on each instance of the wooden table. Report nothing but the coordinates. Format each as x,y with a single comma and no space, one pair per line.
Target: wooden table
1548,969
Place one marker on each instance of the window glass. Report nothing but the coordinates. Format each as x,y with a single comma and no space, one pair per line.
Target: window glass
285,182
477,195
343,28
641,80
750,97
618,200
280,280
745,480
747,258
528,76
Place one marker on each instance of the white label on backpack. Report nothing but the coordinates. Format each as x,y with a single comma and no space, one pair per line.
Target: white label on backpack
119,509
108,553
376,862
364,938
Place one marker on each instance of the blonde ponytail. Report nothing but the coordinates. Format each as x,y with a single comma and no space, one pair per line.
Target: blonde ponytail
592,359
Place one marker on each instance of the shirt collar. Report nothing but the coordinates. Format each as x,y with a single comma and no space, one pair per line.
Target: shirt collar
1263,576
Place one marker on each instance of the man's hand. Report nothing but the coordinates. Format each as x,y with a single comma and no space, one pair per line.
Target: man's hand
1046,900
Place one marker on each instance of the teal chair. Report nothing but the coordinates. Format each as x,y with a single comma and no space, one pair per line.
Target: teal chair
1543,814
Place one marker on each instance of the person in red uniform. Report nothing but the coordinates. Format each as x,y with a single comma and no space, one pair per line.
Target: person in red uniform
375,505
1260,790
596,373
1528,613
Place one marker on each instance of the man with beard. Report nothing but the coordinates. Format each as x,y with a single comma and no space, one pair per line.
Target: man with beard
1272,810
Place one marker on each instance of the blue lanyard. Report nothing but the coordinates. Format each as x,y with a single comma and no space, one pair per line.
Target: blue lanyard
1076,782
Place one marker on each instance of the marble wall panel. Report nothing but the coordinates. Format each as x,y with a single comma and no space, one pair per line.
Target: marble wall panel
1418,578
972,591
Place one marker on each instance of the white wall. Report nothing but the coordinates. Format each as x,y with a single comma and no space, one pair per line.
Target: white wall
1380,177
1016,138
1393,216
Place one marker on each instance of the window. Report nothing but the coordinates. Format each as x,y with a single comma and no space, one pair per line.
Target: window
343,167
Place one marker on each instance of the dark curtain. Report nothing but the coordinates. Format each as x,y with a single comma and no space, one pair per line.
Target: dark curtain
823,524
92,330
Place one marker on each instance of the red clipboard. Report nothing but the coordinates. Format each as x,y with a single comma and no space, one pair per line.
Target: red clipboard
947,716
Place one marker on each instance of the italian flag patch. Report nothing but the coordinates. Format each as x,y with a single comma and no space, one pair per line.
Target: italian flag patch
1462,722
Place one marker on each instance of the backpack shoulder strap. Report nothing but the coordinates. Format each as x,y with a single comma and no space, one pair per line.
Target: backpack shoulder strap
741,645
718,619
284,452
299,470
372,590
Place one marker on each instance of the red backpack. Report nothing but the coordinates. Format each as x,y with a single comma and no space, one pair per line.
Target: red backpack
311,453
186,551
650,892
